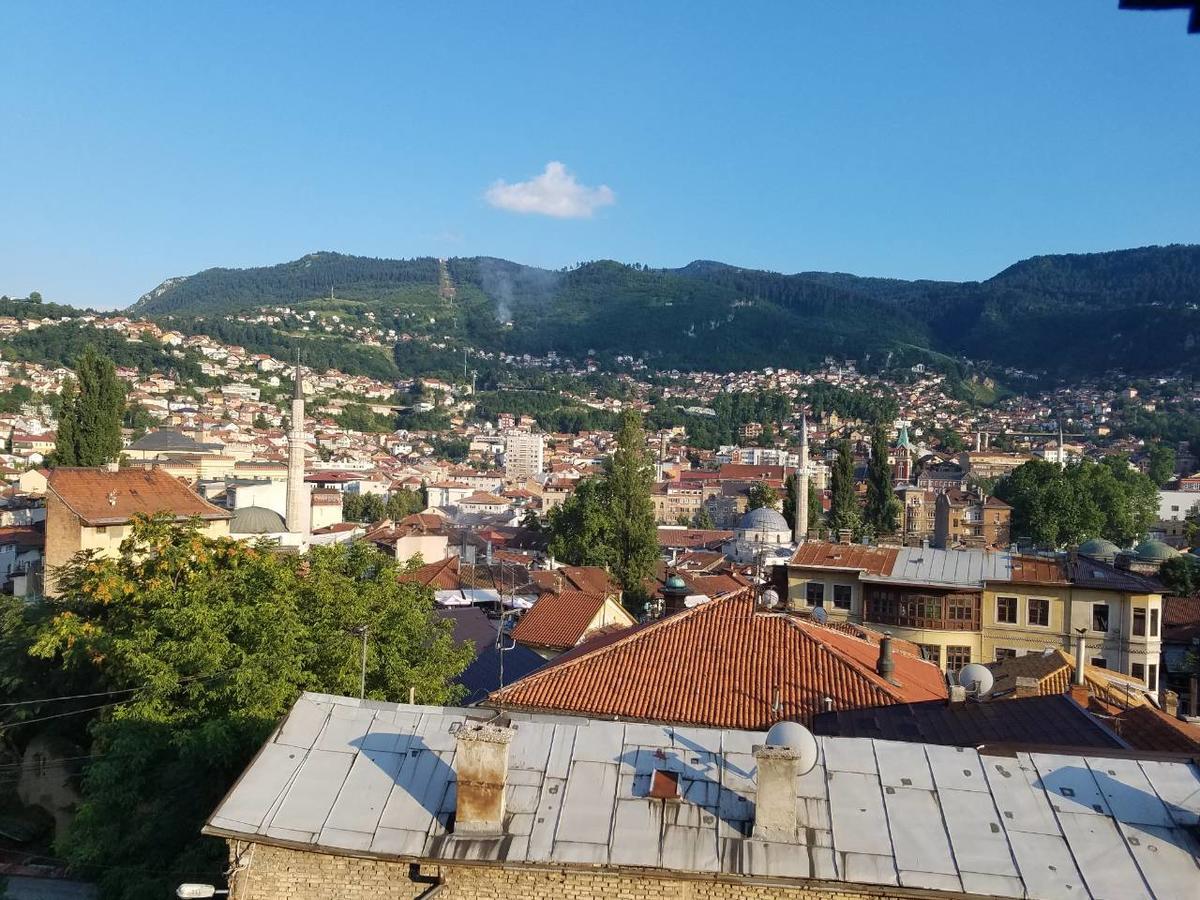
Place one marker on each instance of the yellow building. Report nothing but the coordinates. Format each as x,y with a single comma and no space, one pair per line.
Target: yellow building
90,509
965,606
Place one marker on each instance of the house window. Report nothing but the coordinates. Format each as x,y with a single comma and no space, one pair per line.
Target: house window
101,529
841,596
1139,623
1138,671
814,593
1006,610
1039,611
1003,653
957,657
932,653
1154,623
960,610
1099,662
1099,617
1152,677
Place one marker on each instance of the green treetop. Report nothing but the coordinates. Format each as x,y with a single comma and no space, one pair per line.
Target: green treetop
844,513
89,428
882,514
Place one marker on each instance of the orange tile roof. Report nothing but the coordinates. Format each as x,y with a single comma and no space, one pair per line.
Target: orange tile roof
1149,728
559,621
723,664
101,497
872,560
588,579
1055,672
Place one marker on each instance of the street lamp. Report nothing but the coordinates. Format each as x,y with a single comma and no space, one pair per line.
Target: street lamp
199,890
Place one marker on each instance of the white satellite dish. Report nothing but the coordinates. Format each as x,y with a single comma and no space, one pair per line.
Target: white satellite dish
795,736
820,616
770,598
976,678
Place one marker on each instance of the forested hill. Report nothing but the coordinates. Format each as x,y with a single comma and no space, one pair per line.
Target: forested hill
1071,315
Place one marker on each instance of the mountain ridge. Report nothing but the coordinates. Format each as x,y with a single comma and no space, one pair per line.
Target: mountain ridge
1132,309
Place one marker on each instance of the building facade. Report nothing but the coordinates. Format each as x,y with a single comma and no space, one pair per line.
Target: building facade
523,454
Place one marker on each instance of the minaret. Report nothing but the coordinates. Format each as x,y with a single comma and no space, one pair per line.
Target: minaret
800,528
297,521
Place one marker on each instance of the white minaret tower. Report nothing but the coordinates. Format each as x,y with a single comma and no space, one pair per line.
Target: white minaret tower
297,521
800,529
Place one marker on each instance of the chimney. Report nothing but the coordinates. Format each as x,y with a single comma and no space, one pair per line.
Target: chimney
1080,658
1027,687
885,666
113,466
844,536
480,768
775,817
1171,704
956,694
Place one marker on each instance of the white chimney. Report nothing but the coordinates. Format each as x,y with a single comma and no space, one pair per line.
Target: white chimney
1080,658
480,768
790,751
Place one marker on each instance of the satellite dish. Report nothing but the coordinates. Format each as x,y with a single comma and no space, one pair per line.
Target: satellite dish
976,678
770,598
820,616
794,736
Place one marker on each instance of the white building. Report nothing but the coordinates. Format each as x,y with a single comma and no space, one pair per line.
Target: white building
523,454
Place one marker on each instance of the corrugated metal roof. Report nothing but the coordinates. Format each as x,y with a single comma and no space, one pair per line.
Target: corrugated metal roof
346,776
949,568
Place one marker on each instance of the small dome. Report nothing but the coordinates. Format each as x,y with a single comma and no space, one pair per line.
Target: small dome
675,583
763,519
1154,551
256,520
1099,548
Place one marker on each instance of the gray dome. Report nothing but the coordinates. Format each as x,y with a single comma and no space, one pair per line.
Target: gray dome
256,520
1154,551
763,519
1099,548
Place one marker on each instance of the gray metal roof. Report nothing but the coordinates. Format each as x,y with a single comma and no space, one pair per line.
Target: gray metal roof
347,776
951,568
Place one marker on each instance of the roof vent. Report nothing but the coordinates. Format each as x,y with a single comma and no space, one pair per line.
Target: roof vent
664,785
112,498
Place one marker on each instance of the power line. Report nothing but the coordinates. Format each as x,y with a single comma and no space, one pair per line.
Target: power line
131,690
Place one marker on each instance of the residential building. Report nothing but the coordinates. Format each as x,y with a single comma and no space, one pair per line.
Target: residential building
523,454
90,509
563,619
349,800
971,519
966,606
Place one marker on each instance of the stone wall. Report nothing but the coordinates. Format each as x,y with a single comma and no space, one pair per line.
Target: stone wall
266,872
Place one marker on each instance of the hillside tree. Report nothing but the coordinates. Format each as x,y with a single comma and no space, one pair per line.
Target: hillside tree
91,416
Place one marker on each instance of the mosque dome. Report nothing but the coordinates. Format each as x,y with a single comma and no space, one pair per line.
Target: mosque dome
1152,551
1099,548
256,520
675,583
763,519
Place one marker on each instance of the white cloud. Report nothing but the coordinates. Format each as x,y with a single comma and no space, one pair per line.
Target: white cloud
553,193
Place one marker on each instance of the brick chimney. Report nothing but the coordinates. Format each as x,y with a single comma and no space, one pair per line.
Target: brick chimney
480,768
775,816
1027,687
885,666
1171,704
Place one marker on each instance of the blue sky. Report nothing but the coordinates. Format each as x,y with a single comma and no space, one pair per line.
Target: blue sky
924,139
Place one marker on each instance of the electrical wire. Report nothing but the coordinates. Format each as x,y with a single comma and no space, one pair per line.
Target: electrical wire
131,690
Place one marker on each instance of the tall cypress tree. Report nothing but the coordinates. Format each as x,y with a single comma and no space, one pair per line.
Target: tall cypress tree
628,478
843,510
816,512
91,417
883,509
66,449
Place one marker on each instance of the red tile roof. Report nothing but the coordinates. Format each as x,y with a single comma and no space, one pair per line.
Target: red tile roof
587,579
1038,570
559,621
1149,728
723,664
872,560
101,497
